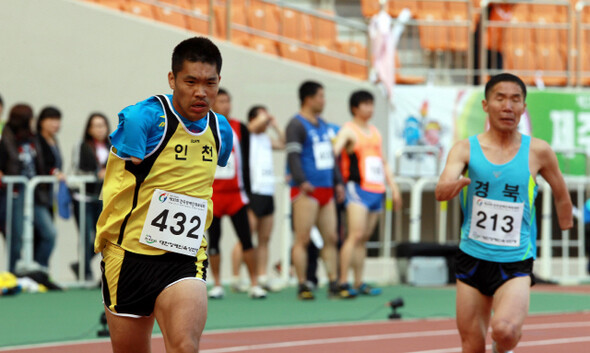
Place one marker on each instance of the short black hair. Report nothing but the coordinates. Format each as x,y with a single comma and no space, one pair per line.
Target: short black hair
253,112
223,91
196,49
504,77
358,97
46,113
308,89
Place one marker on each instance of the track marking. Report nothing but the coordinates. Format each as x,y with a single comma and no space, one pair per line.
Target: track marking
350,339
520,344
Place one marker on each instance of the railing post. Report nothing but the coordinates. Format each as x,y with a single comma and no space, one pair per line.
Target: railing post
546,224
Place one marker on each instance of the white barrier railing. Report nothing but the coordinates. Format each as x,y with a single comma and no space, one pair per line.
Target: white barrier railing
29,186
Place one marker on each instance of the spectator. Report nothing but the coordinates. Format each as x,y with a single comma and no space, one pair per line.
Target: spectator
17,157
261,210
50,163
90,158
230,199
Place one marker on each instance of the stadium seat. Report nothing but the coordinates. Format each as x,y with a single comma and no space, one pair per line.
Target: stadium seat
171,16
138,8
197,24
263,16
293,52
263,45
432,37
324,31
549,58
238,17
370,8
324,60
396,6
295,25
113,4
520,58
458,35
357,50
550,15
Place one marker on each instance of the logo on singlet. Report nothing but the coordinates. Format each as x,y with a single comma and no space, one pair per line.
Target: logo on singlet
163,197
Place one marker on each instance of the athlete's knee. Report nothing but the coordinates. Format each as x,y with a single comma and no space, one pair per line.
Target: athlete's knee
185,345
505,333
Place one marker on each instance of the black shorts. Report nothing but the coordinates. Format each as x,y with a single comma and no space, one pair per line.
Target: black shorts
488,276
131,282
262,205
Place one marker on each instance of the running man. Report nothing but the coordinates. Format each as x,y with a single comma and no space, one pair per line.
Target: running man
230,199
495,175
157,205
365,172
314,175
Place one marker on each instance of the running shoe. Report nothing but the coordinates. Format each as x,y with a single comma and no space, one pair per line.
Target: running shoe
305,293
256,292
366,289
216,292
341,291
239,286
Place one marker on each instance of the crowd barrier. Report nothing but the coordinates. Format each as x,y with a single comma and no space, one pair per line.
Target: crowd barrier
568,267
29,186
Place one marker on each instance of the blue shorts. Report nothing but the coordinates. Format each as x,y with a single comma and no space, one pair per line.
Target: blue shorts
371,200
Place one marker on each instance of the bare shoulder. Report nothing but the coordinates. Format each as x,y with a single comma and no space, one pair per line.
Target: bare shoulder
540,148
460,150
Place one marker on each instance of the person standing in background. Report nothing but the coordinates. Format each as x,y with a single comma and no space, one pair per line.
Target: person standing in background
90,158
48,125
262,187
230,199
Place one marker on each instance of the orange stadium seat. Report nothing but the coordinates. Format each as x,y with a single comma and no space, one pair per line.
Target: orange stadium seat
263,16
170,16
324,31
293,52
458,35
432,37
370,8
324,60
549,14
549,58
263,45
197,24
396,6
357,50
113,4
521,58
519,36
139,8
295,25
238,17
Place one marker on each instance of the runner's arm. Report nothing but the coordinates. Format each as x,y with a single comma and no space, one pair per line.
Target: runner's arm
450,184
295,138
396,195
550,172
342,140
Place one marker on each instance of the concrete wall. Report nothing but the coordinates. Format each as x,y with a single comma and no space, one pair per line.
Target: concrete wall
83,58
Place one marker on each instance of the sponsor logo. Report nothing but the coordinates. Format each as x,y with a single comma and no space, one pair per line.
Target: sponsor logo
163,197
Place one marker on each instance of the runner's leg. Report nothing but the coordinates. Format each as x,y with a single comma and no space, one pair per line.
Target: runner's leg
473,316
511,306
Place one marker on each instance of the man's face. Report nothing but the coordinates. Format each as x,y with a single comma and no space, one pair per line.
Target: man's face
504,105
364,110
222,105
317,101
195,88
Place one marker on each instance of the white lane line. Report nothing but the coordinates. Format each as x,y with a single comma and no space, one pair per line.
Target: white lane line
520,344
320,341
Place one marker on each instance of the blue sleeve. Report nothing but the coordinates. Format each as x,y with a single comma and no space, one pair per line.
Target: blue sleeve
226,138
135,130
